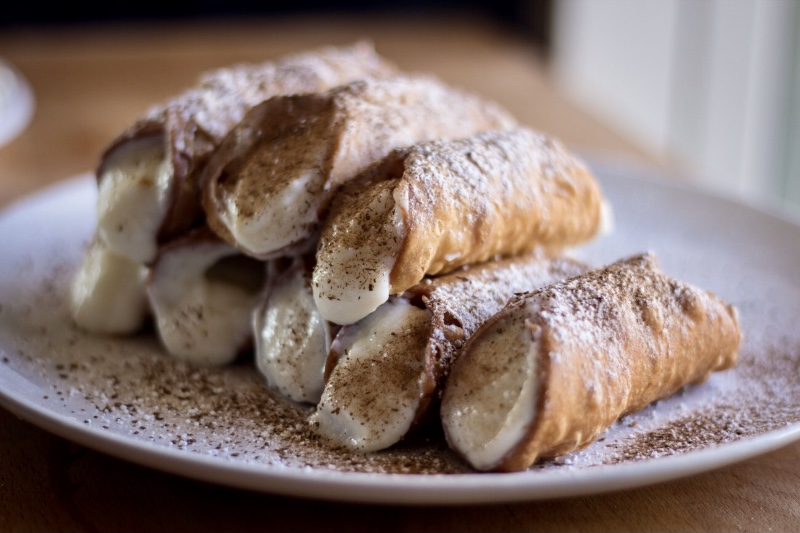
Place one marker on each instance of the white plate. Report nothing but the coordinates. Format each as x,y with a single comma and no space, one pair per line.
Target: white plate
126,398
16,102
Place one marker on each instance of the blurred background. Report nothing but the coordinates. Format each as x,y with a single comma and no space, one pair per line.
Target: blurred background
712,87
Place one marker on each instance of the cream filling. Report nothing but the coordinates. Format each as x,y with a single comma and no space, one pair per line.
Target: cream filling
133,199
292,341
371,397
107,293
199,318
285,217
490,401
351,280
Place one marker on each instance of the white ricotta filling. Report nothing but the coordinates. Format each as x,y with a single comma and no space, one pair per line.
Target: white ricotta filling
199,319
292,340
133,199
371,397
491,402
107,293
281,219
351,282
356,302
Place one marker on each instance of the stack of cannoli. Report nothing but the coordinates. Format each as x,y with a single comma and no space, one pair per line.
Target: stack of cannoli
394,251
150,179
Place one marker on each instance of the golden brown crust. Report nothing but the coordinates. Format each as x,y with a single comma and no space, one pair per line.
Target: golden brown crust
506,193
610,342
195,122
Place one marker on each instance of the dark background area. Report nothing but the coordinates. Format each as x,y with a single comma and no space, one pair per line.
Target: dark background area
528,18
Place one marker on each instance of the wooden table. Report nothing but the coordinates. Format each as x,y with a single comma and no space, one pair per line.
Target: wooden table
92,82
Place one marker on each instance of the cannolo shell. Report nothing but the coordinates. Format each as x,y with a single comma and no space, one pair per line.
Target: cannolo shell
501,192
610,342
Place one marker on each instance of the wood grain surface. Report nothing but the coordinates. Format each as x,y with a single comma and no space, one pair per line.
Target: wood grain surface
91,82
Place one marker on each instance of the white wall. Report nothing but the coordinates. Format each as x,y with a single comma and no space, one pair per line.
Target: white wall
711,84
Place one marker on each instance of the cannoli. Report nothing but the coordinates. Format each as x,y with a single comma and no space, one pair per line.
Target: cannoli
275,173
202,292
292,340
148,178
385,372
557,366
108,294
431,208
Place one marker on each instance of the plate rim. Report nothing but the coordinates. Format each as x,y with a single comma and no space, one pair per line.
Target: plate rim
403,489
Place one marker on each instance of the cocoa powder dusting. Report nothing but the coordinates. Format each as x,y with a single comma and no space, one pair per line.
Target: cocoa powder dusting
131,388
770,403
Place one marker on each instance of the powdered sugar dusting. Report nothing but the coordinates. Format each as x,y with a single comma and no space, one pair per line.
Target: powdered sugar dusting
130,387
